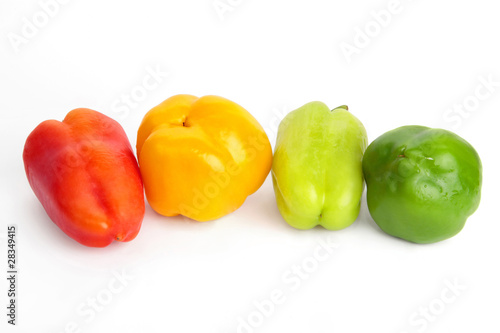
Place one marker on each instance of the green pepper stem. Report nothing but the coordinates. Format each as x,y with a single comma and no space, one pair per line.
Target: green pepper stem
343,107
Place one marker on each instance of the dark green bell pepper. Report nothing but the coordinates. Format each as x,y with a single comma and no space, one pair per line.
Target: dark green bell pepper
422,183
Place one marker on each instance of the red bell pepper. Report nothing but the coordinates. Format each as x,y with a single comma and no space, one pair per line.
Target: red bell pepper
85,174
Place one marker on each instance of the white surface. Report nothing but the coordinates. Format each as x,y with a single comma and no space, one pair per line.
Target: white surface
271,57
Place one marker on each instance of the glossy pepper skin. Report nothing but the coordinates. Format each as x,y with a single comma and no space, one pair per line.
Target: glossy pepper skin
85,174
201,157
422,183
316,170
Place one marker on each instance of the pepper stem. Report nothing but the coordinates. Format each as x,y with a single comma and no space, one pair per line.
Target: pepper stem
343,107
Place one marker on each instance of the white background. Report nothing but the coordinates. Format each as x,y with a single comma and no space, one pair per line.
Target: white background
270,57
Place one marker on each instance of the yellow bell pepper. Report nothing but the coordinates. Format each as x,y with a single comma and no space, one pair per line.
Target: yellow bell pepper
201,157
